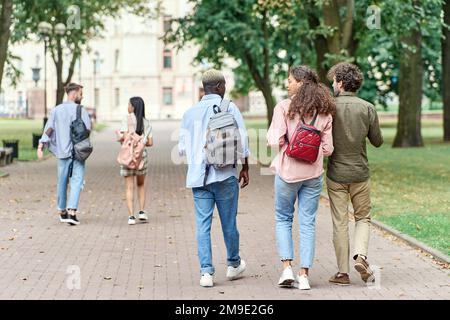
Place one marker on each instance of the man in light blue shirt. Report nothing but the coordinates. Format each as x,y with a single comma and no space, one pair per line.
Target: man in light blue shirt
221,187
56,138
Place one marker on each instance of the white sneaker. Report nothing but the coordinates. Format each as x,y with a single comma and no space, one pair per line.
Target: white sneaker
287,278
235,273
131,220
303,282
143,216
207,280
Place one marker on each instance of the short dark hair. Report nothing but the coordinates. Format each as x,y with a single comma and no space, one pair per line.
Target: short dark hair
350,75
73,87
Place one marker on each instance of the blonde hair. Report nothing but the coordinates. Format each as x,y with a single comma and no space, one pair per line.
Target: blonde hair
212,77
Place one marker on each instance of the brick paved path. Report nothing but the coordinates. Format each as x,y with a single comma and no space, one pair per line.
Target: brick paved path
158,260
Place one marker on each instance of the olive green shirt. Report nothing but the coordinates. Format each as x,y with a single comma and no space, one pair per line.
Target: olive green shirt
355,120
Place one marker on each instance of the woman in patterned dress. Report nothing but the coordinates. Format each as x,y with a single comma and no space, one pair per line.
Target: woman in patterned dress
136,108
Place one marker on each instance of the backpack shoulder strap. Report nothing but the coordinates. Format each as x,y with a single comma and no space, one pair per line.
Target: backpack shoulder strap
78,111
316,113
225,104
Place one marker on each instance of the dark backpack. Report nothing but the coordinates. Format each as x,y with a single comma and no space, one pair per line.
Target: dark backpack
79,135
305,142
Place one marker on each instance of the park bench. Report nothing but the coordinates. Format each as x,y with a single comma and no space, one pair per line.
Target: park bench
6,156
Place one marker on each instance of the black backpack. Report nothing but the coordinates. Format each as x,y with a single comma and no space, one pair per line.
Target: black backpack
82,146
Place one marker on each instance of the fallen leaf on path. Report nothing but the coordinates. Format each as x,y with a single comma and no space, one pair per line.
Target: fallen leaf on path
107,278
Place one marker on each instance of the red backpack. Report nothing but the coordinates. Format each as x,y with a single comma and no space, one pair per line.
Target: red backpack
305,142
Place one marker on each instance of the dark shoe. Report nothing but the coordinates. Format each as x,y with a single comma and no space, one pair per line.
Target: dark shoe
362,266
64,216
341,279
72,220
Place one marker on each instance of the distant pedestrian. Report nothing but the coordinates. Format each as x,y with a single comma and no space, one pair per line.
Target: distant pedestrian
212,171
57,138
136,122
309,104
348,170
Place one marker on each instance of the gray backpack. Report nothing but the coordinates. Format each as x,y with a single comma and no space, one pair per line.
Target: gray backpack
223,146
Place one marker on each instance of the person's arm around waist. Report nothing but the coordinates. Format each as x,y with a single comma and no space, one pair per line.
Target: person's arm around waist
375,136
327,137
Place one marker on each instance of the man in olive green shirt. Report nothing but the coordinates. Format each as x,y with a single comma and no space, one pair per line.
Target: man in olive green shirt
348,170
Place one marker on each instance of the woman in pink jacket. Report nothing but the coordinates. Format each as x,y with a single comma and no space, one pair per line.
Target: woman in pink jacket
311,101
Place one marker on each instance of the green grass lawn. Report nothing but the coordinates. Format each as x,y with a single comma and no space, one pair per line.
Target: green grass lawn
22,130
410,187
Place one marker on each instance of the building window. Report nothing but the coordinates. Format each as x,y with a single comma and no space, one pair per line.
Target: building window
116,60
167,23
167,96
117,97
97,97
167,59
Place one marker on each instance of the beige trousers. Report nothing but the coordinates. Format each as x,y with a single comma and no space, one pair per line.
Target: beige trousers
359,194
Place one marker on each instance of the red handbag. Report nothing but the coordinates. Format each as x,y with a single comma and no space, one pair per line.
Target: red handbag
305,142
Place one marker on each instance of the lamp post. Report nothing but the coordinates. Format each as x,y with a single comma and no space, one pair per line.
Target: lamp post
45,29
36,72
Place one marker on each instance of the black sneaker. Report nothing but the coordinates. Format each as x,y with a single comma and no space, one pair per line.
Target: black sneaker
64,216
72,220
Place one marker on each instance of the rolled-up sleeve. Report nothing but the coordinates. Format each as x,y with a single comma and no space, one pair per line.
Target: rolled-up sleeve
45,139
327,138
278,128
242,129
86,119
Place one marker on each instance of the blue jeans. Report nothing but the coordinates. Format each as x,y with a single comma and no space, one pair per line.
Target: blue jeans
308,194
76,183
225,195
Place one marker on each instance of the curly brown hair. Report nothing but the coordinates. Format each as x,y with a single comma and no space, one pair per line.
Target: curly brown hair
312,95
350,75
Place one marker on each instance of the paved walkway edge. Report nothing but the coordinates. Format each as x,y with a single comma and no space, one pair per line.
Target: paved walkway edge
408,239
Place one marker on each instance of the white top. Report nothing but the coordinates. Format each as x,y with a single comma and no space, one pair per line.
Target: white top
148,131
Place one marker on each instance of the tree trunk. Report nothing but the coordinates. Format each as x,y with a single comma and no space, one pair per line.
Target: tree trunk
331,18
446,70
320,45
410,93
59,63
270,102
5,33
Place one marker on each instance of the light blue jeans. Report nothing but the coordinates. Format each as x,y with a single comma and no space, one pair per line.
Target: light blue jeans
308,194
225,195
76,183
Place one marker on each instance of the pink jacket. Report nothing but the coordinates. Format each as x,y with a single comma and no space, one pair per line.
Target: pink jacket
289,169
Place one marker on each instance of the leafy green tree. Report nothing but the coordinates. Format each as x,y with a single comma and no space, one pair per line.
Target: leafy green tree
446,68
264,37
